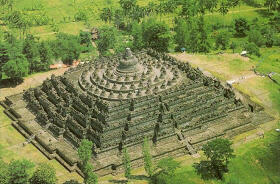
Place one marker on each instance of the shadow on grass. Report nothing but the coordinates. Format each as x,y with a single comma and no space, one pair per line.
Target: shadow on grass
264,13
118,181
8,83
139,177
271,158
133,177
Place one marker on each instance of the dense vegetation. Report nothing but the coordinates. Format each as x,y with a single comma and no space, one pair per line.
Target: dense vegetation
191,26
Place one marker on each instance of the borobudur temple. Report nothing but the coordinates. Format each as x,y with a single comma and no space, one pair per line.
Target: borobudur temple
117,101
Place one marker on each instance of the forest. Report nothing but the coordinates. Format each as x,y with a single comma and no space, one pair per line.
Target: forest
166,26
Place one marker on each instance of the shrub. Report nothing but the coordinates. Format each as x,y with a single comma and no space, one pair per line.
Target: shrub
276,40
44,174
67,47
256,37
81,15
241,26
156,35
222,39
252,49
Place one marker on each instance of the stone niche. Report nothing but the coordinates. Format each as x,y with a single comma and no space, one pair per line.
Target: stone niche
117,101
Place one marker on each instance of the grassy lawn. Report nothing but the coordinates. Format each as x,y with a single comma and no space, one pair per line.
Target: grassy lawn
269,62
11,148
255,163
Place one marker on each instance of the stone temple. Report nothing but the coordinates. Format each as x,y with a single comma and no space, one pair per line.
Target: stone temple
117,101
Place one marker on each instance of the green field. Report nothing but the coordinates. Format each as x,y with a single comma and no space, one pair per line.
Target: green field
62,13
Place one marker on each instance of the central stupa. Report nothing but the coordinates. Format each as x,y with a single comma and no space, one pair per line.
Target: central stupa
129,77
129,63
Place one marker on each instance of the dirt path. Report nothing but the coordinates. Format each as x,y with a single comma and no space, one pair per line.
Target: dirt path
45,34
31,81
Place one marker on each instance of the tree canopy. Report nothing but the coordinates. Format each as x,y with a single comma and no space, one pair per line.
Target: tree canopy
218,153
156,35
19,171
107,39
44,174
16,68
85,150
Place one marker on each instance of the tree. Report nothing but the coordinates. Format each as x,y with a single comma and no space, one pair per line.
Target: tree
156,35
107,39
44,174
241,26
31,52
126,163
137,34
119,19
203,42
81,15
19,20
256,37
127,6
85,41
85,151
274,21
45,54
211,5
269,38
224,7
90,176
181,33
189,9
4,55
234,3
252,49
193,38
148,164
167,167
222,39
233,46
16,68
150,8
85,37
272,4
207,5
218,153
137,13
19,171
4,173
67,47
106,15
71,182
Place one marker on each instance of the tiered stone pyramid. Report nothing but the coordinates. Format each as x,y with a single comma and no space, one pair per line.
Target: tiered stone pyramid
115,102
